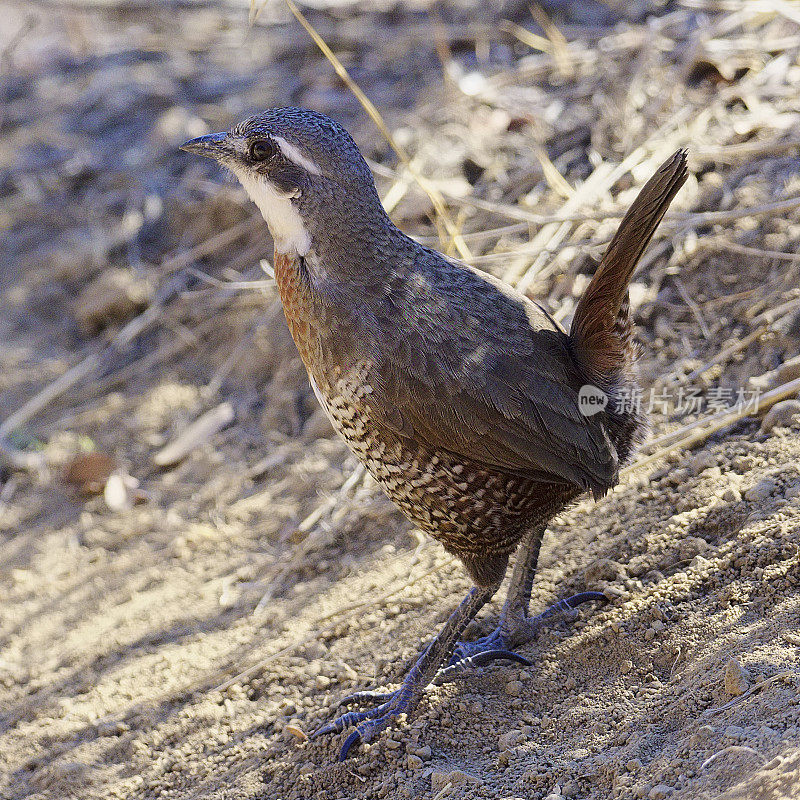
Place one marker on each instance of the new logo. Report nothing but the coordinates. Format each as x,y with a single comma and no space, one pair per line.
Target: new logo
591,400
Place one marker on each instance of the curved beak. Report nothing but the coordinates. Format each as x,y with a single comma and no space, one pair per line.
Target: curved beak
212,145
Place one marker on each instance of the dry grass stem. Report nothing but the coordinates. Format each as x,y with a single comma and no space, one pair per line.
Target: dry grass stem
696,432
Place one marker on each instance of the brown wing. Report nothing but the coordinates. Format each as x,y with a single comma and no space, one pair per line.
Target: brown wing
469,367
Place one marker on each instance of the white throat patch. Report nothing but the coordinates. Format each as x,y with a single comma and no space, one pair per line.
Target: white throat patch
283,219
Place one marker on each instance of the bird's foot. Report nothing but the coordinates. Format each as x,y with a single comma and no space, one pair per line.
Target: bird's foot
514,630
370,722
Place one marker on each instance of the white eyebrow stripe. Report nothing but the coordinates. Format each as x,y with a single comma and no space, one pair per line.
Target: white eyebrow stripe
296,157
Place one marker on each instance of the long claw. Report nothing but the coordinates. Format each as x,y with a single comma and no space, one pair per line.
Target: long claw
479,660
569,604
328,727
368,723
482,659
354,737
344,721
368,695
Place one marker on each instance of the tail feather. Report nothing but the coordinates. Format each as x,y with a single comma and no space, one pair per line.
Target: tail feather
600,325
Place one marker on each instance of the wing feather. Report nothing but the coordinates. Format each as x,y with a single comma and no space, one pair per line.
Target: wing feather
496,384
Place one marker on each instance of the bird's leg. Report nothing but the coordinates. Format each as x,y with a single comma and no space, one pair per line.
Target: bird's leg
371,722
518,597
516,627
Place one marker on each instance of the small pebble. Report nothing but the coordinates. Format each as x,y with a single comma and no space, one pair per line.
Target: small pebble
415,762
660,791
296,731
569,789
761,491
780,415
514,688
788,371
346,672
116,494
392,744
731,495
604,569
735,678
111,727
455,778
323,681
509,739
702,461
423,752
734,732
88,472
700,562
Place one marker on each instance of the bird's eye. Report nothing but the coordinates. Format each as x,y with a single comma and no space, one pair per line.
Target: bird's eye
262,150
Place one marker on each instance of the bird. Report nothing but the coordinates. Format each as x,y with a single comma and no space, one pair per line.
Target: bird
463,398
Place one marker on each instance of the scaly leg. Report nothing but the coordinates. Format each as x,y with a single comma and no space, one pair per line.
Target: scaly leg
371,722
516,628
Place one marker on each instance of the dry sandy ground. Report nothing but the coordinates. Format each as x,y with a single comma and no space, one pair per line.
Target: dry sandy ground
118,630
179,647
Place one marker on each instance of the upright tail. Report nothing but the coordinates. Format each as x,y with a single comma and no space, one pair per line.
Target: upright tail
600,331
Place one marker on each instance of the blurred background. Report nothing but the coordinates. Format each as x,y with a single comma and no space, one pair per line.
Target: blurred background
192,566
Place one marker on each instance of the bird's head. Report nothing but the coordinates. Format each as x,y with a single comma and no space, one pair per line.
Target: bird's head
303,171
